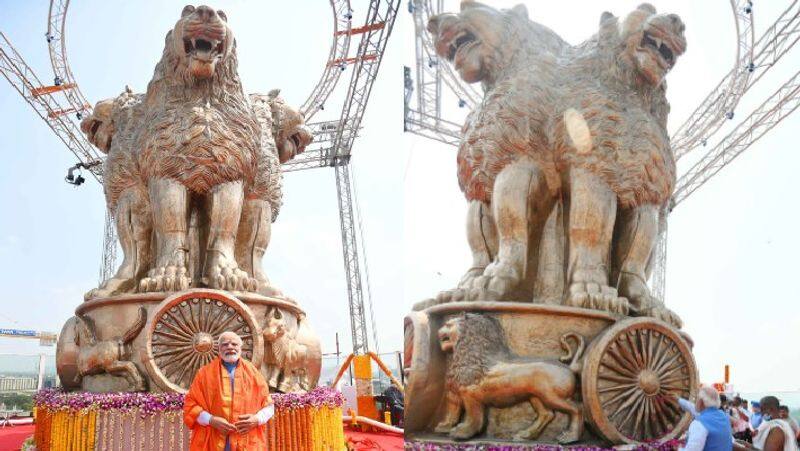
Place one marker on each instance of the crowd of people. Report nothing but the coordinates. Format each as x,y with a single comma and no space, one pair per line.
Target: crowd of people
720,423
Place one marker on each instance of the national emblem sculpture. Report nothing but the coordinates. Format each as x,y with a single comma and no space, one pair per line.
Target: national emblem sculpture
567,168
193,179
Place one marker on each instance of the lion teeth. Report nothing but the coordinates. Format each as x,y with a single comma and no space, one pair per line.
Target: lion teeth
658,42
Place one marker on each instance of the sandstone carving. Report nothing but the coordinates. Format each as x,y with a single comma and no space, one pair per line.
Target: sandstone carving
483,372
193,179
567,168
108,356
193,169
288,358
566,163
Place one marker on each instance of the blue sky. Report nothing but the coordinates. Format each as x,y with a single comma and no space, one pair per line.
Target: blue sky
733,244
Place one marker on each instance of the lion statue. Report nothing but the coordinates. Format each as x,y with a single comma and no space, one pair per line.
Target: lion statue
483,372
193,168
566,163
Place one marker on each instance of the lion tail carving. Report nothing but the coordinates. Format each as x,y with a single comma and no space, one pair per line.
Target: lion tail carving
136,327
573,357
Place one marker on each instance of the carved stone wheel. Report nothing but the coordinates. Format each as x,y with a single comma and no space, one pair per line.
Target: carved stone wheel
181,335
627,373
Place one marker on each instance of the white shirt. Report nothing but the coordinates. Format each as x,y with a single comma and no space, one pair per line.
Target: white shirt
697,434
760,439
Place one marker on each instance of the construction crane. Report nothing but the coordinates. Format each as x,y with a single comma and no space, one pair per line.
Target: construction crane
753,59
332,146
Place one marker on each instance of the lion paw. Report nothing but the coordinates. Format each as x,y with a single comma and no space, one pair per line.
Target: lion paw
454,295
461,432
496,283
166,278
230,278
469,277
596,297
664,314
568,436
111,287
442,428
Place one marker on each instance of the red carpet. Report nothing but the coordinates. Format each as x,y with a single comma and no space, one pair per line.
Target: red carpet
11,437
366,441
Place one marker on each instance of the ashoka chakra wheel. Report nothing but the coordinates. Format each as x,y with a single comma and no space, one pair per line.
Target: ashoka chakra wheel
627,373
181,335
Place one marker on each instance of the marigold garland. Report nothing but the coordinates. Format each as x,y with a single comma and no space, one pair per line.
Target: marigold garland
86,421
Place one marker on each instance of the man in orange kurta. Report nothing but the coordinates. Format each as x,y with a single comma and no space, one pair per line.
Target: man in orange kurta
228,402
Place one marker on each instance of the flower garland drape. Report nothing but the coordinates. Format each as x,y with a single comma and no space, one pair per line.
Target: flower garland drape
86,421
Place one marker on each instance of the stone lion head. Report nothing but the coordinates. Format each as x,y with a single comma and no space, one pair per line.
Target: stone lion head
449,333
107,117
481,41
476,341
99,126
200,41
289,128
651,43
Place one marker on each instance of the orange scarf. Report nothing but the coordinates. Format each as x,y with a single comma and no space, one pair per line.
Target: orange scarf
211,391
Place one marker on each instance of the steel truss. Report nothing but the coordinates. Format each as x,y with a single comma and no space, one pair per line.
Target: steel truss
719,105
777,107
431,73
47,106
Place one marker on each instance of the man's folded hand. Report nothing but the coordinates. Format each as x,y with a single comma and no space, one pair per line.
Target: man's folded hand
246,422
222,425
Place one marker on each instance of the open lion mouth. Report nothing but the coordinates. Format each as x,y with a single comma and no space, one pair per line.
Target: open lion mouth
295,139
203,48
660,47
463,40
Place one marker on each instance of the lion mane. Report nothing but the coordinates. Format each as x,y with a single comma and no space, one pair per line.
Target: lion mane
200,132
626,114
536,73
481,344
514,115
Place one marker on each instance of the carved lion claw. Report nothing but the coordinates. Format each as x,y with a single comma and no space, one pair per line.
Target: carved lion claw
664,314
231,279
597,297
166,278
461,432
442,428
568,436
496,283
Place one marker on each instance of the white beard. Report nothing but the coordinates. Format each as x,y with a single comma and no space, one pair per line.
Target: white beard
230,358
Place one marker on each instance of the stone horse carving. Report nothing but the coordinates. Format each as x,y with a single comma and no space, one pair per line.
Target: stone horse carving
108,356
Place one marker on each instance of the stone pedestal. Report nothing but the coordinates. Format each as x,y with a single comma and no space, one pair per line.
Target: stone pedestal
617,371
157,341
